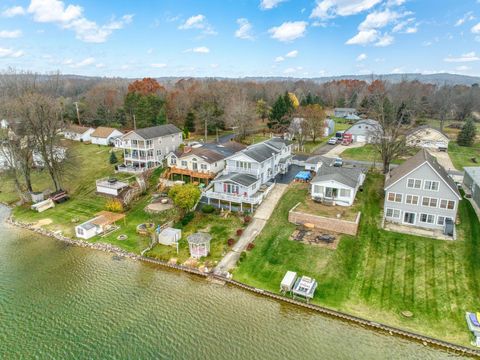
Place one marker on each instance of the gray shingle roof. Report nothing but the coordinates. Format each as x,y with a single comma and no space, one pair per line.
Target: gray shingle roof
211,152
242,179
157,131
346,176
277,143
423,156
260,152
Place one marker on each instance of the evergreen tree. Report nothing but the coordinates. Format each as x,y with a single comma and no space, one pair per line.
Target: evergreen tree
190,122
113,158
467,134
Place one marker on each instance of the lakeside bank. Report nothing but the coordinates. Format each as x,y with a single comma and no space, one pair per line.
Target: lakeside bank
435,343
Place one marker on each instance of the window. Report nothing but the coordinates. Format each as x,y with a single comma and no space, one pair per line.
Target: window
80,231
441,220
428,201
414,183
447,204
203,166
317,189
173,160
159,140
230,188
345,192
427,218
431,185
411,199
392,213
159,152
184,163
244,165
394,197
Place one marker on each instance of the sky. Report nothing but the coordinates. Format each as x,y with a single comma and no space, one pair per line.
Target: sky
238,38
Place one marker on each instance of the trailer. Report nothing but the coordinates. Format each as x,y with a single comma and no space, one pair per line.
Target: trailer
347,139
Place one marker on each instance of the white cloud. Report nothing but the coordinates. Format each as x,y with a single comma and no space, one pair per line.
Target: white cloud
467,17
397,70
463,68
245,29
326,9
6,34
198,22
100,65
292,54
362,57
158,65
385,40
214,66
13,11
10,53
85,62
476,29
292,70
279,59
378,19
289,31
269,4
411,30
363,37
468,57
200,50
71,17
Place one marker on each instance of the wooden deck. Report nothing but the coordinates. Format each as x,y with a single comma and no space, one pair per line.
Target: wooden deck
191,173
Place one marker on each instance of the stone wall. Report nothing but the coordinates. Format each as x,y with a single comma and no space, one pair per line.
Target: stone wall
324,223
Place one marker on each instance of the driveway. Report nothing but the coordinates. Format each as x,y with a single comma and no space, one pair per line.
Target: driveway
259,220
443,159
322,150
338,149
290,175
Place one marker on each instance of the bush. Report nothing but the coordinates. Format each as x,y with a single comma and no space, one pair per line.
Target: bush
250,246
242,257
230,242
187,218
247,219
114,205
113,158
239,232
208,209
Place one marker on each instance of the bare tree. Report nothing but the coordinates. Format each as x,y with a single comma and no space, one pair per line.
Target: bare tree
314,117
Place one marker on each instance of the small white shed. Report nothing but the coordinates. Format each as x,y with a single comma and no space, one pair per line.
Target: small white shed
87,230
288,281
110,186
43,205
169,236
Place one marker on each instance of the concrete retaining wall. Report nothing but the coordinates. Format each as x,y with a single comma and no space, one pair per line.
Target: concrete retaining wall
324,223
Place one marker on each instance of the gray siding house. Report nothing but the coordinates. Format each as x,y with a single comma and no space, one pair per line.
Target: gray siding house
365,131
146,148
471,183
420,193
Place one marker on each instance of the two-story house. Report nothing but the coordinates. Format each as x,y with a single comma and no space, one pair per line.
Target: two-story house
420,193
248,175
146,148
201,161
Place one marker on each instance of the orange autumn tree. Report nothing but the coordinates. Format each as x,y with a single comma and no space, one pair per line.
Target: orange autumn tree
145,103
146,86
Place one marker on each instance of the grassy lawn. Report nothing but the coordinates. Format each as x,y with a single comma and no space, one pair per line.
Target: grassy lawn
220,228
462,156
368,153
256,138
341,124
378,274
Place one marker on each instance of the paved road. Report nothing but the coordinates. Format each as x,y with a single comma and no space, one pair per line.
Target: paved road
251,231
322,150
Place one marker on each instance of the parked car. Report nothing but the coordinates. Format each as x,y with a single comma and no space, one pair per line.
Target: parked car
338,162
332,141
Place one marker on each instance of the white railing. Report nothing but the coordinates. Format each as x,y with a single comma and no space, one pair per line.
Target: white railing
254,199
131,169
139,157
240,170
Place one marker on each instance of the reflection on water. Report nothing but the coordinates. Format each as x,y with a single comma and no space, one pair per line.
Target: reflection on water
60,301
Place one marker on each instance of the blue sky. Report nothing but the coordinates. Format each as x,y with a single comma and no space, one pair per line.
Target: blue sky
235,38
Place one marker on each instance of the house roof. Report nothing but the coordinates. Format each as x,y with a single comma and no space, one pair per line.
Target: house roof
260,152
424,127
213,152
277,143
474,172
346,176
103,132
420,158
242,179
157,131
77,129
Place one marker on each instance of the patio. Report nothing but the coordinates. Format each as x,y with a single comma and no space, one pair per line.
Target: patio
412,230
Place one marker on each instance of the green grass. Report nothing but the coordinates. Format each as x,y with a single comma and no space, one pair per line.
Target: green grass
378,274
341,124
220,228
462,156
369,153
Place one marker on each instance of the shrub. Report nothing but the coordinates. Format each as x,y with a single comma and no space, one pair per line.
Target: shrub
208,209
247,219
114,205
230,242
250,246
242,257
185,196
113,158
187,218
239,232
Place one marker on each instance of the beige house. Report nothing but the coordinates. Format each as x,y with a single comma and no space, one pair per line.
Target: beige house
427,137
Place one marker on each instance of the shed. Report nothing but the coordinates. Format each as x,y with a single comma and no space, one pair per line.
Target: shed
288,281
305,287
87,230
199,244
169,236
110,186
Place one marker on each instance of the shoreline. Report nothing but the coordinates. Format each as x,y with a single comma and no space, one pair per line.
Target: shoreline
372,325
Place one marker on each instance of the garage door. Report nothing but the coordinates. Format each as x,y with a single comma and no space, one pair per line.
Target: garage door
361,138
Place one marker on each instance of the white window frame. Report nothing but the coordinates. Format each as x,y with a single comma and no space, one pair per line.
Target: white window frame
344,191
431,182
415,217
395,197
203,166
184,163
413,197
446,206
414,180
393,213
430,201
434,218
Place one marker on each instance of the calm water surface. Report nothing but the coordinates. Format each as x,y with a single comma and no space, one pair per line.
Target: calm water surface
63,302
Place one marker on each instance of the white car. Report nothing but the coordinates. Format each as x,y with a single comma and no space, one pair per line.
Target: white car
332,141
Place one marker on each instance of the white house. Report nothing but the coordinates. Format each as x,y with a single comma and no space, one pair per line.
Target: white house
365,131
427,137
146,148
336,185
344,112
105,135
87,230
78,133
248,174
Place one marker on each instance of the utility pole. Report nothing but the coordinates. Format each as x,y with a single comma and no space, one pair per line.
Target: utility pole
206,131
78,113
134,123
217,133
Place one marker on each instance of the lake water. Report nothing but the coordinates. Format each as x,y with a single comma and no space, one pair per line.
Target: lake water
64,302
